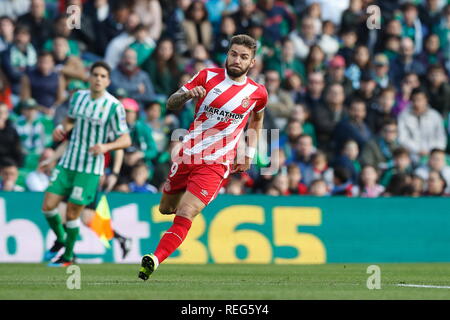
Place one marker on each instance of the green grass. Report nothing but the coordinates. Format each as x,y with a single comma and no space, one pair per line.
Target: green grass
225,282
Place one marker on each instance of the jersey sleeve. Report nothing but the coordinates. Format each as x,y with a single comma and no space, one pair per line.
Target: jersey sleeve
262,101
118,124
197,80
73,99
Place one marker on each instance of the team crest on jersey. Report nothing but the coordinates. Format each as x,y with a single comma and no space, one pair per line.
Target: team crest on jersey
245,102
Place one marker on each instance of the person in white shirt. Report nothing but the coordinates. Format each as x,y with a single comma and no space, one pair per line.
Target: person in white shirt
421,128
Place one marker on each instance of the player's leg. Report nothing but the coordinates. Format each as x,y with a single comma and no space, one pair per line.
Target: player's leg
169,202
58,188
51,213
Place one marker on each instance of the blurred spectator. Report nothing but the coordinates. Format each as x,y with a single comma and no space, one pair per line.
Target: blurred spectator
403,99
199,56
438,89
6,32
442,29
319,169
359,64
335,74
294,84
399,185
285,63
14,8
342,185
174,25
162,67
429,13
318,188
353,127
391,48
38,24
9,174
63,108
279,20
143,147
420,127
353,16
18,58
31,127
217,9
43,84
70,66
412,26
436,162
402,164
381,70
378,151
150,15
325,118
246,15
328,41
304,37
368,186
280,103
39,179
348,46
61,29
432,53
368,89
304,150
302,114
314,90
10,145
315,61
122,41
85,32
348,159
130,77
382,110
161,126
281,183
406,62
294,180
139,177
436,185
197,27
418,186
141,45
222,40
289,138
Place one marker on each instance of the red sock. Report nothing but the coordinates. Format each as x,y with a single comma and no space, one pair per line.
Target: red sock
173,238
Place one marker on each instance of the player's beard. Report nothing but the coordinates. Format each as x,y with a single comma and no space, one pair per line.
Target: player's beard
234,73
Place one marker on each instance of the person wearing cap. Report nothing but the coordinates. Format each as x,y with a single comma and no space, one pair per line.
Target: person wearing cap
143,147
31,127
381,70
336,73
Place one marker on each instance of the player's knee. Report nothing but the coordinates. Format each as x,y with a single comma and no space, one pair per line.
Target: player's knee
188,211
48,207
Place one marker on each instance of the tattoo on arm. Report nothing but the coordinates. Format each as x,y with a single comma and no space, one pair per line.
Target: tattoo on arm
177,100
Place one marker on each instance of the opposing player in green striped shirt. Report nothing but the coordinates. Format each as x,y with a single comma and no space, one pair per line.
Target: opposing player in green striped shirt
94,116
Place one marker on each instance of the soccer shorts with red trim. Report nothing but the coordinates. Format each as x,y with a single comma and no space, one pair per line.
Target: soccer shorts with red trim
202,180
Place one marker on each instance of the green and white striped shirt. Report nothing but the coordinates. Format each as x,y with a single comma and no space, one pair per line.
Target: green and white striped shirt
95,122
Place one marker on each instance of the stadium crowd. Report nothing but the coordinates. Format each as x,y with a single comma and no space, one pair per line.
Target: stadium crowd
360,111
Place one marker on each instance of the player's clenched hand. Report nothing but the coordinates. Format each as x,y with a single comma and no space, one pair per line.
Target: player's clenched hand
98,149
59,134
197,92
240,167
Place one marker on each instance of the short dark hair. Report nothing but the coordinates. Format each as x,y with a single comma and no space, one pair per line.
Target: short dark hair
417,91
244,40
400,151
437,150
101,64
389,122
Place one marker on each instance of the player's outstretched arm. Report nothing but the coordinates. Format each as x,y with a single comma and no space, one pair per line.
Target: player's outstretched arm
124,141
178,99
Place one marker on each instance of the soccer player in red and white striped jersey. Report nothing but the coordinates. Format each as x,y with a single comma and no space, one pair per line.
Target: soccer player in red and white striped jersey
226,101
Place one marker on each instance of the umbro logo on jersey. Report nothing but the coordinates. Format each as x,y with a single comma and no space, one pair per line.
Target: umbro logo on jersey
217,91
204,192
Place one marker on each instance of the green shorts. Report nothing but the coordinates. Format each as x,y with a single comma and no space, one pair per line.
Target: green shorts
78,186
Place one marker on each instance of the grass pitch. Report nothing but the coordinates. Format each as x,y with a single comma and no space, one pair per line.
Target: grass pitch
225,282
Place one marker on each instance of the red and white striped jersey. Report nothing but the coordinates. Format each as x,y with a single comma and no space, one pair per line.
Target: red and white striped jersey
220,116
